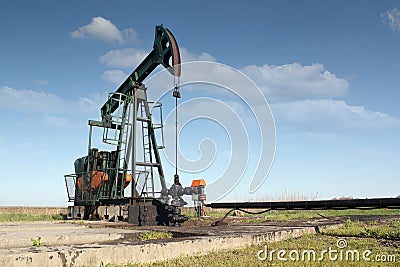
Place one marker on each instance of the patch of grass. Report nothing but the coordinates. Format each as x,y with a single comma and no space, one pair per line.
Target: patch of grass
248,256
154,235
33,210
286,215
37,242
349,212
308,214
388,250
390,230
17,217
15,214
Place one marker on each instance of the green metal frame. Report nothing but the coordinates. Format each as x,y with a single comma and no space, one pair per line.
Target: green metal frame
130,93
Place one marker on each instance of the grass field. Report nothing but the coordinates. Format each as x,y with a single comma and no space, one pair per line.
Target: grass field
15,214
285,215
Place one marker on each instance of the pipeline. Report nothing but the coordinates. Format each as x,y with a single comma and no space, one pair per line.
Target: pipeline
371,203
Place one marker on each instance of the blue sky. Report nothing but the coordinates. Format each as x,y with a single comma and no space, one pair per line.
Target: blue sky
329,71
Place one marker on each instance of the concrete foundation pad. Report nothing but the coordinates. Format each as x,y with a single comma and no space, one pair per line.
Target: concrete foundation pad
146,251
80,245
19,235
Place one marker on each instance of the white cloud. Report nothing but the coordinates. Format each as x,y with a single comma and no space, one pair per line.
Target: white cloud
278,83
392,18
187,56
301,112
28,100
294,81
34,101
132,57
102,29
330,114
87,105
114,76
124,58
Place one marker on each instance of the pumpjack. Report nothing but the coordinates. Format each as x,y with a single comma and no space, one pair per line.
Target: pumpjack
120,183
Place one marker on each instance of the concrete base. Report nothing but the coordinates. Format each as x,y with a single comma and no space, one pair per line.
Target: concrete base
82,245
110,213
102,243
143,213
75,212
95,255
20,235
